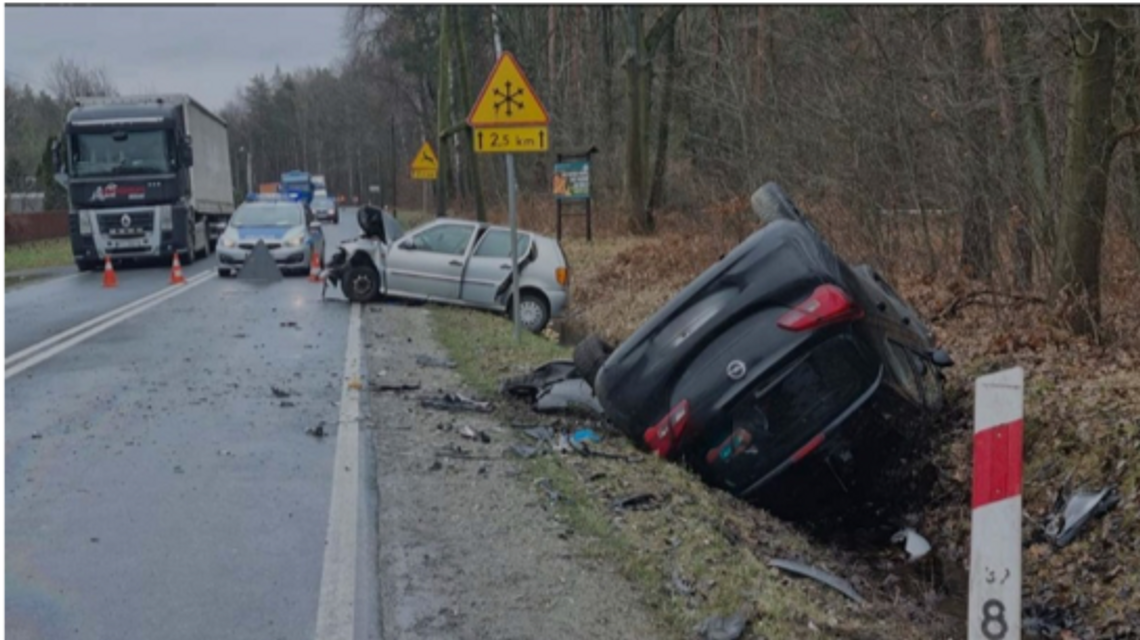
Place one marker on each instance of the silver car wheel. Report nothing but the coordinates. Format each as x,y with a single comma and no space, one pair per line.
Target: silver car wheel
531,314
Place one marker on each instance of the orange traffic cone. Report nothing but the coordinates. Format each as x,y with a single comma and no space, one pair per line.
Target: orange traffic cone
176,271
315,268
110,280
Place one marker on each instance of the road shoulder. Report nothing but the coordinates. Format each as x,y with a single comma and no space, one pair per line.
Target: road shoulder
467,547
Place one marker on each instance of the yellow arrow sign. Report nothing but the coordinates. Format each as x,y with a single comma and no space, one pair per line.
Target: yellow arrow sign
512,139
507,99
425,159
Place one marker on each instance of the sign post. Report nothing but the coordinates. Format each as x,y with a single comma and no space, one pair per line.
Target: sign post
508,117
995,532
425,167
572,185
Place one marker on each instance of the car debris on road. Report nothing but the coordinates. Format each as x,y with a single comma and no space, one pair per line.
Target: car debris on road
915,545
455,402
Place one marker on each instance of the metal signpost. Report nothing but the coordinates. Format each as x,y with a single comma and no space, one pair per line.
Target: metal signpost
995,530
508,117
572,185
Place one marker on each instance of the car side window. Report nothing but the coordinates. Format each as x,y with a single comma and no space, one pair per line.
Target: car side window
497,244
451,239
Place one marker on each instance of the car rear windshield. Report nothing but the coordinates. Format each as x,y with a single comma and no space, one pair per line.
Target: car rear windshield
322,203
268,214
770,423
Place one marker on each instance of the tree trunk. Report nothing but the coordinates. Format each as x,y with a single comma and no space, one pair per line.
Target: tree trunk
1088,156
551,31
465,93
638,105
1032,134
655,192
977,228
443,112
608,70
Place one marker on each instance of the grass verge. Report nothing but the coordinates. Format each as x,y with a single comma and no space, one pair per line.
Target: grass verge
39,254
696,552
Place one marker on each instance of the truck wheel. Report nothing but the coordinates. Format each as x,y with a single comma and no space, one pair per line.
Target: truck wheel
590,355
191,251
87,265
360,284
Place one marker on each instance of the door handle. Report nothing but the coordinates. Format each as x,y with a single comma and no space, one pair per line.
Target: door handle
505,267
455,263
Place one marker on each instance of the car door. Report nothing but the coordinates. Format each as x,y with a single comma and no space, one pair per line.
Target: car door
429,263
490,266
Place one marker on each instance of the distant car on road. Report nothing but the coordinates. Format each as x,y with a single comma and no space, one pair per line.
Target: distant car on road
452,261
325,208
284,226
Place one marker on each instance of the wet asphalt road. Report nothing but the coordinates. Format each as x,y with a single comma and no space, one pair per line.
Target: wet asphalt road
156,487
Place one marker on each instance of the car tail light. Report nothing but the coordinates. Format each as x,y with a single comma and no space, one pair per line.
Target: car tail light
811,445
562,276
662,436
828,304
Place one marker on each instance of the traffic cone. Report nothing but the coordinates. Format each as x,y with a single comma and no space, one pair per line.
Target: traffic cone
176,271
110,280
315,267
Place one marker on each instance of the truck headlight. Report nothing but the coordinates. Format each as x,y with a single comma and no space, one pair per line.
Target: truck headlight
165,215
84,222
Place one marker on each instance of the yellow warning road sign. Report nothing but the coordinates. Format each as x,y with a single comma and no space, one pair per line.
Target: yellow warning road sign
425,158
425,166
507,99
511,139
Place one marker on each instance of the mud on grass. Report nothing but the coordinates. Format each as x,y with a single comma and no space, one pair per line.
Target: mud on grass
695,551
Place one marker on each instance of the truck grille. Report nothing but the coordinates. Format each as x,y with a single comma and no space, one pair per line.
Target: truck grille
140,223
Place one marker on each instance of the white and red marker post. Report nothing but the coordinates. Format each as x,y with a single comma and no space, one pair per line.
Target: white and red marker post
995,538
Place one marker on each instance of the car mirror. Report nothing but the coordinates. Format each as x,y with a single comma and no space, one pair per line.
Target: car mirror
408,244
941,359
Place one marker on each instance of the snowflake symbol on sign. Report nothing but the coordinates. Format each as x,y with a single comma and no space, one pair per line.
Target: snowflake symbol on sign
508,99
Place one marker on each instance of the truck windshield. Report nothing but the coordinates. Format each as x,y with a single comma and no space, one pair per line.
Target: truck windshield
266,214
120,153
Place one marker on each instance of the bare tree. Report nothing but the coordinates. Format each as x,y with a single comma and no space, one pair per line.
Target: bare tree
68,80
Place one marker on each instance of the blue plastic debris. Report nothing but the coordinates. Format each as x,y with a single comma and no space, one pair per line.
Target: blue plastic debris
585,435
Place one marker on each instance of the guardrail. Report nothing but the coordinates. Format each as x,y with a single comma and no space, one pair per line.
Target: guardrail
29,227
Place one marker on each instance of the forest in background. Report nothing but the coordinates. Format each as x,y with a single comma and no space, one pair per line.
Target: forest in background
1019,124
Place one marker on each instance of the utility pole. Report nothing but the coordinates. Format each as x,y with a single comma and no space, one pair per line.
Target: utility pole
393,151
511,199
249,169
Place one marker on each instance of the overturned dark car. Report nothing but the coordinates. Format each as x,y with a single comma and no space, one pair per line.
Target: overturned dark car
763,360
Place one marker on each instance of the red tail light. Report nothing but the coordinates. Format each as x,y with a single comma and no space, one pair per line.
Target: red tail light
828,304
662,436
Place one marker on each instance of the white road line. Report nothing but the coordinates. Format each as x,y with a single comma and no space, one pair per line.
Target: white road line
63,335
336,610
116,317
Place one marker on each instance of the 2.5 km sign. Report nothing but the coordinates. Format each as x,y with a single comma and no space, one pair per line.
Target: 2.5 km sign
511,139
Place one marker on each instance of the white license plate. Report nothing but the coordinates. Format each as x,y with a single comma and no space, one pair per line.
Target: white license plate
127,244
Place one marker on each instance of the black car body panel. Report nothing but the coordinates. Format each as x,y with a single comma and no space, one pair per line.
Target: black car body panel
757,396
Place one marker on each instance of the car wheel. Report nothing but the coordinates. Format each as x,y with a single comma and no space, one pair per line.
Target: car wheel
225,273
360,283
534,313
590,355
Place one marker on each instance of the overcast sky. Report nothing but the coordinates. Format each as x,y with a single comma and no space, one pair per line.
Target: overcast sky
207,52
